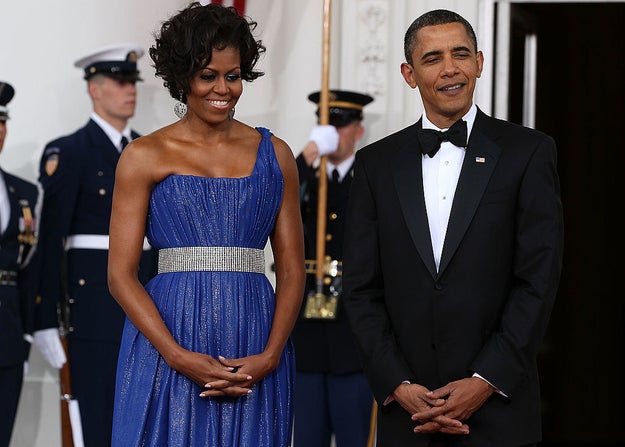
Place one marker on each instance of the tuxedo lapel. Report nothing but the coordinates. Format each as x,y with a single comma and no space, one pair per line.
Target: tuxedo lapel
479,162
408,179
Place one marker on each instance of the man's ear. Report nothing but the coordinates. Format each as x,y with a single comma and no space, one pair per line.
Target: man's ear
92,89
408,73
360,132
480,63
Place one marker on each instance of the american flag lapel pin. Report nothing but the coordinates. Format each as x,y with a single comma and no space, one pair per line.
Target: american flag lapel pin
480,160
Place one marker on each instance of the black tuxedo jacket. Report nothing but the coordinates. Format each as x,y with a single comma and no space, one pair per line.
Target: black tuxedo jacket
487,307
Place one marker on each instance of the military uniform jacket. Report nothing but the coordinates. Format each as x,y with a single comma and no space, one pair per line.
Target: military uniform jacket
324,346
77,173
17,248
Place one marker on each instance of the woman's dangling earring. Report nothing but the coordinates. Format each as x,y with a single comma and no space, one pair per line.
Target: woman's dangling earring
231,114
180,108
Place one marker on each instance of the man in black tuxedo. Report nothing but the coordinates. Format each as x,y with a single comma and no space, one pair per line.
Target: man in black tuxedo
453,257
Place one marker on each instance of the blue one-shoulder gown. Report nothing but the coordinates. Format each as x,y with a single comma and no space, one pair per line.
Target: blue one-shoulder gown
216,313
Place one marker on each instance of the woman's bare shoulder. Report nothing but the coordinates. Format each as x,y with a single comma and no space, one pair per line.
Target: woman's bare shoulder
148,154
153,141
281,147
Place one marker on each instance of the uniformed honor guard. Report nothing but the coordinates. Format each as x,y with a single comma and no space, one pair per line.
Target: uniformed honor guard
18,235
332,394
77,173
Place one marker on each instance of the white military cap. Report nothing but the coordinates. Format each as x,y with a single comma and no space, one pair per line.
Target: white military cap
117,61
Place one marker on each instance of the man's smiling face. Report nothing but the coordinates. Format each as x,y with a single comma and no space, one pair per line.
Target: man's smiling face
445,66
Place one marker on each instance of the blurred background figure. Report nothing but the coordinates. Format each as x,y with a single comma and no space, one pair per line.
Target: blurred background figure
77,173
18,225
332,394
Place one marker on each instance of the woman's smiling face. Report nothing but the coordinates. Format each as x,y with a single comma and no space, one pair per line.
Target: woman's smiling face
216,89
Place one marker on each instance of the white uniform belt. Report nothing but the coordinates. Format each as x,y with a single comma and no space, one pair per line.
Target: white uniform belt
220,259
93,242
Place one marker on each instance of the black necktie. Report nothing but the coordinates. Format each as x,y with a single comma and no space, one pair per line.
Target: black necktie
123,143
431,139
335,176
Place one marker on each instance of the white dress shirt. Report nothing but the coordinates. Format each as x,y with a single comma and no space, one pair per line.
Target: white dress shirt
440,178
114,135
342,168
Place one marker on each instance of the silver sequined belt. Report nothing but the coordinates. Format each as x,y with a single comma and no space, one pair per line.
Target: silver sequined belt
216,259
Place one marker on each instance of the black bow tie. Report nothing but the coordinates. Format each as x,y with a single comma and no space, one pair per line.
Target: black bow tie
431,139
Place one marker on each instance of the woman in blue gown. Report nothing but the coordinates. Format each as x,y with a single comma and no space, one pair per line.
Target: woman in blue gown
206,358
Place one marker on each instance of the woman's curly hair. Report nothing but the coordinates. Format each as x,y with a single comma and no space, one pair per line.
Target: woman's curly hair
186,41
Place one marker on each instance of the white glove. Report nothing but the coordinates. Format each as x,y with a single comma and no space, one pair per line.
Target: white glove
326,138
49,344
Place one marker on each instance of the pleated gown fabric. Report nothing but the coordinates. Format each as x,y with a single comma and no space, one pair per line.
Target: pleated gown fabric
216,313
